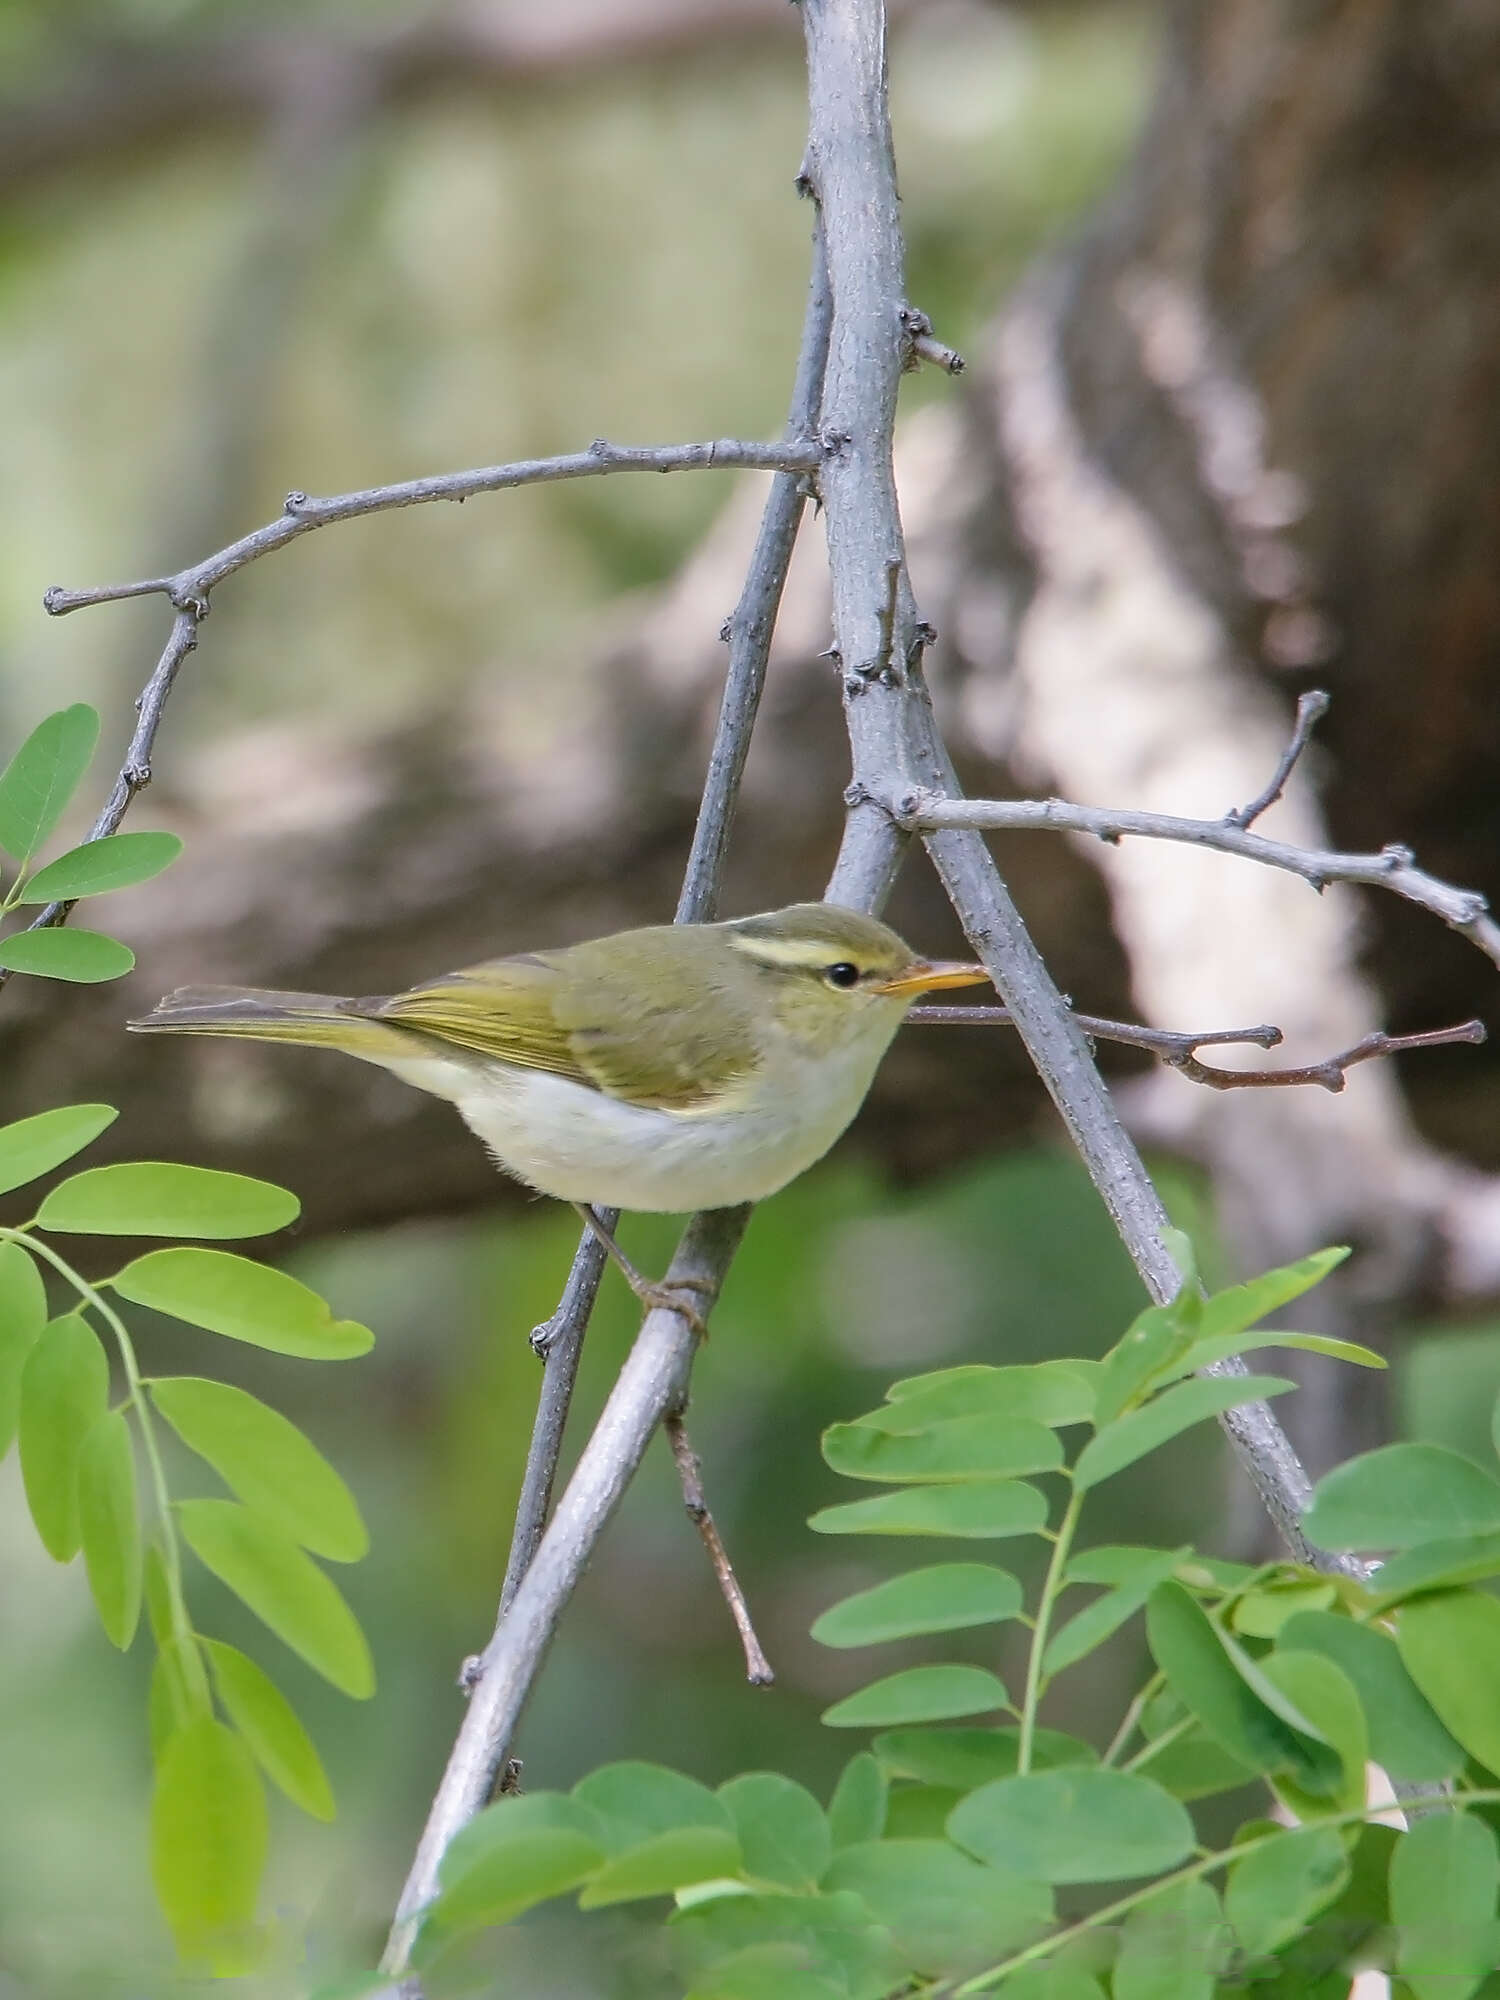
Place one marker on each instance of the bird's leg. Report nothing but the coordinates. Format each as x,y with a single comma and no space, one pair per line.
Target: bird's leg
649,1292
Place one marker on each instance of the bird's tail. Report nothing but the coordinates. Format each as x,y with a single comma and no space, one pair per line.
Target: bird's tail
316,1020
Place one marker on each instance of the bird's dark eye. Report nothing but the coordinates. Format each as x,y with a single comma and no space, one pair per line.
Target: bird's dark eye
842,974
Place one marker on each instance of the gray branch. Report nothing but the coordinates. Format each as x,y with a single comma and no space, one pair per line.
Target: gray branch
898,753
1393,868
301,513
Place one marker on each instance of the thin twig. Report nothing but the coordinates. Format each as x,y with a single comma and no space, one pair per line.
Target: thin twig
1178,1048
1330,1072
757,1667
1393,868
1172,1044
1311,708
502,1676
301,513
923,345
652,1381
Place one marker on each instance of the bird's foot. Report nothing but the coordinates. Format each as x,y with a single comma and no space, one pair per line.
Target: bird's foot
672,1295
668,1293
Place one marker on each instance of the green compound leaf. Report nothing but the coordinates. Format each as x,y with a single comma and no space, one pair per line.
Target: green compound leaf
32,1147
666,1862
43,775
267,1462
242,1300
860,1800
1276,1891
23,1314
959,1448
1172,1947
118,861
1218,1683
1131,1436
1443,1878
1075,1826
1406,1738
920,1694
634,1801
269,1724
64,1393
83,958
946,1912
513,1855
1450,1645
783,1832
1401,1495
1050,1392
283,1587
948,1597
209,1839
1090,1627
161,1198
109,1525
960,1760
983,1511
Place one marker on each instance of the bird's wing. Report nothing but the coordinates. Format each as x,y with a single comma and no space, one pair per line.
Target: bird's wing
501,1009
596,1026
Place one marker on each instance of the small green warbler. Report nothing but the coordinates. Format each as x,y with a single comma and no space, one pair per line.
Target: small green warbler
678,1067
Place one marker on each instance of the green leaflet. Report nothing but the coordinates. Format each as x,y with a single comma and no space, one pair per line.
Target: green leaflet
39,780
161,1198
118,861
267,1462
109,1525
283,1587
209,1838
64,1393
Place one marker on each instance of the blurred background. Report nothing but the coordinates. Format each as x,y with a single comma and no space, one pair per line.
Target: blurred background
1225,276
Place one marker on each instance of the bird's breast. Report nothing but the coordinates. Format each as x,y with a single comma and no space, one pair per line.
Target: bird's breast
580,1144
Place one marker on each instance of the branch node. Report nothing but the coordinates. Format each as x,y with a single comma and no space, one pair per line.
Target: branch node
919,344
1396,855
857,794
294,502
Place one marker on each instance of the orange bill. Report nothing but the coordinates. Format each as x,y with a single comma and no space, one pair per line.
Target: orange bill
928,975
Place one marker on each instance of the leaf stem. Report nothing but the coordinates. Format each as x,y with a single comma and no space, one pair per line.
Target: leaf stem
1169,1735
1131,1717
1051,1589
182,1625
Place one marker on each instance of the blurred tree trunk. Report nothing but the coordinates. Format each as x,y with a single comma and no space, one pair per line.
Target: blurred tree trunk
1239,440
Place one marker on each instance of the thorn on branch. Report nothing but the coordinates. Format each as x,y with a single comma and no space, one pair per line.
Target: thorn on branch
690,1472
